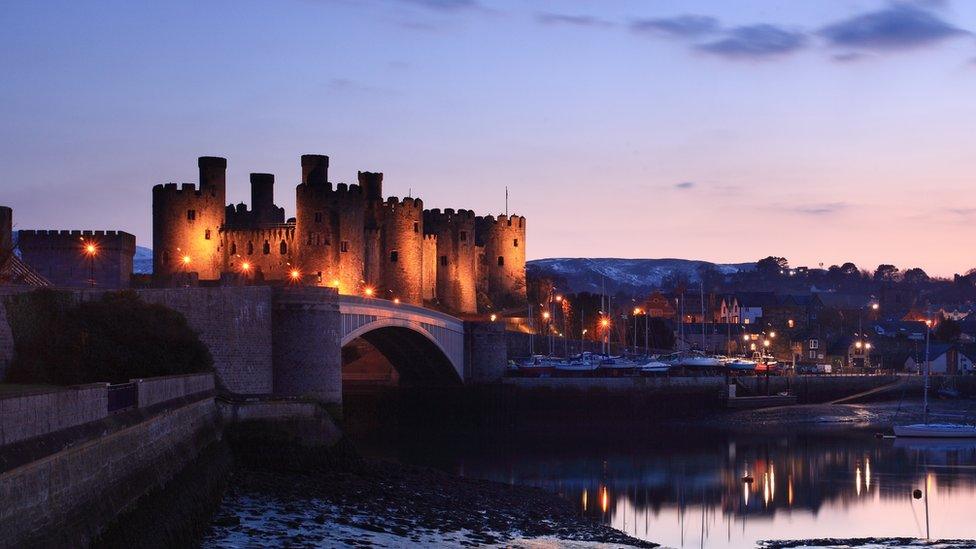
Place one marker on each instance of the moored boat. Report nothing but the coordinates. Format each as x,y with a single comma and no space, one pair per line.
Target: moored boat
936,430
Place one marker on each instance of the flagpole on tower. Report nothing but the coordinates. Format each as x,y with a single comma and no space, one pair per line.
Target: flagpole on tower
506,200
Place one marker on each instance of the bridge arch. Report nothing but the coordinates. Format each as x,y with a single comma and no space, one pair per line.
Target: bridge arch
424,347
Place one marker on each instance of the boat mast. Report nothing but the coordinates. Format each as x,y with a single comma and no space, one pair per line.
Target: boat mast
701,295
928,365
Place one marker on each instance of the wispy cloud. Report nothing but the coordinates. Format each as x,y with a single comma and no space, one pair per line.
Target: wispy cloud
756,42
680,26
848,57
444,5
572,20
898,26
684,185
825,208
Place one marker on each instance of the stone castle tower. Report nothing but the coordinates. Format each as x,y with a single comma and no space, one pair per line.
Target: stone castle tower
346,236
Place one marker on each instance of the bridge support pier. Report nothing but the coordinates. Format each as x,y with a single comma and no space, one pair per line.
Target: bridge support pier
485,352
306,343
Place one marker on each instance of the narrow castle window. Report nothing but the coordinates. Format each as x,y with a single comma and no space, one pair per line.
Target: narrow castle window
283,248
443,260
501,261
233,248
206,234
394,256
191,215
344,246
318,217
266,248
464,236
515,243
416,227
250,248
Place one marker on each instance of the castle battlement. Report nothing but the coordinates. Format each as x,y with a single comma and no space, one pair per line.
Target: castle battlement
346,234
77,238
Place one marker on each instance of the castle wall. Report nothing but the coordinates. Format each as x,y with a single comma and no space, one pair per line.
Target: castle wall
186,222
504,242
329,227
268,253
455,258
402,246
428,274
60,256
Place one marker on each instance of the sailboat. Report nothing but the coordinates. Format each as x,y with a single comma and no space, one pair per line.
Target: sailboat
933,430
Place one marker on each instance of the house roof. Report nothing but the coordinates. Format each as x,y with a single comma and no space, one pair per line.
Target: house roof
843,301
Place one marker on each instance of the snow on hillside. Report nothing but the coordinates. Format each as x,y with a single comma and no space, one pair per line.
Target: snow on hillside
627,275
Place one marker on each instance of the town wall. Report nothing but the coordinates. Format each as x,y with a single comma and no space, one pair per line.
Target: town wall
260,253
61,257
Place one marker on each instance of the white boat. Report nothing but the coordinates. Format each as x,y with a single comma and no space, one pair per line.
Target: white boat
741,365
699,361
576,366
936,430
654,367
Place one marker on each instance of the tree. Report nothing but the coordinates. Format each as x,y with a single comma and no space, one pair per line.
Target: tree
849,270
948,331
116,338
885,273
915,276
772,265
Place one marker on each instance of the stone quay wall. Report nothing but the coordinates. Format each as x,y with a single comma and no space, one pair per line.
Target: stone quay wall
81,466
28,415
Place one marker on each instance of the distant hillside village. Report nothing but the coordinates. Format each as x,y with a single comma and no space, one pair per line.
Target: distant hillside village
851,319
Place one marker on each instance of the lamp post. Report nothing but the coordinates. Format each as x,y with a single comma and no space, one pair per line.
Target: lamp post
91,250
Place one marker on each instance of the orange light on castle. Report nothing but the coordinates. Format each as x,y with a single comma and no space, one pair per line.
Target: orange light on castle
186,260
545,315
493,317
90,249
604,322
295,274
368,292
396,300
245,266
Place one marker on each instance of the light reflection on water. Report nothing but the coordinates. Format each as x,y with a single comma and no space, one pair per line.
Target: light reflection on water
695,493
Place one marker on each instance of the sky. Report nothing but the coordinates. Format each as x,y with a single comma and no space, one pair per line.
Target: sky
825,132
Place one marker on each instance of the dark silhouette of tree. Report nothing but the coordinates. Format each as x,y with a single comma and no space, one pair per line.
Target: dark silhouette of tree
886,273
948,330
772,265
849,270
915,276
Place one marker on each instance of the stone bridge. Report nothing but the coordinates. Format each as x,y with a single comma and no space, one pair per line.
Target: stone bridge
426,346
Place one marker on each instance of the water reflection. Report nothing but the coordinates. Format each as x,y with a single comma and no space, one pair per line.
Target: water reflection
726,491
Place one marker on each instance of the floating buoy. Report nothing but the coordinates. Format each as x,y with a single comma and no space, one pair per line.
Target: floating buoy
917,494
747,479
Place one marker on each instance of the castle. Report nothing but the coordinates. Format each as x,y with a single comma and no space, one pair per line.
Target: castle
345,236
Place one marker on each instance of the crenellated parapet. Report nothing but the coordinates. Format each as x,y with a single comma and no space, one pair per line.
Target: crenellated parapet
348,236
80,258
503,259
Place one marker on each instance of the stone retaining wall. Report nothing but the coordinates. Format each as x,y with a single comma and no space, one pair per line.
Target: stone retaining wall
162,389
28,415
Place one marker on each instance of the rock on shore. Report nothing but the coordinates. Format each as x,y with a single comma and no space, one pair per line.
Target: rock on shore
362,502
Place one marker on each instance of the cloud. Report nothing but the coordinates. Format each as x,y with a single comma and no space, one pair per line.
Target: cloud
898,26
756,42
825,208
684,185
444,5
571,20
681,26
849,57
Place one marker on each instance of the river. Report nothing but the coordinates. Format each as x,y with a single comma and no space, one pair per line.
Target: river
718,483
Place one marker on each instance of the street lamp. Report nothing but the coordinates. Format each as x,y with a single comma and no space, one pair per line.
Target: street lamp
91,250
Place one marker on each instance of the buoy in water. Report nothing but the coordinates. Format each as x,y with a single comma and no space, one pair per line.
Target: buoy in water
917,494
747,479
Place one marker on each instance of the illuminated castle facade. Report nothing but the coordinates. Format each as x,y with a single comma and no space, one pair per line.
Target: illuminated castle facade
345,236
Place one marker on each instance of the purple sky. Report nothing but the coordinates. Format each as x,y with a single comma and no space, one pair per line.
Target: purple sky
821,131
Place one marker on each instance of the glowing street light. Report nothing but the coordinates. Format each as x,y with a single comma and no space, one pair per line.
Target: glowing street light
604,322
396,300
295,274
91,250
545,315
493,317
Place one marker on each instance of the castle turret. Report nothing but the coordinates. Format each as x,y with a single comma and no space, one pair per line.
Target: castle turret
329,227
6,231
315,170
186,221
372,184
402,239
504,258
456,258
262,198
